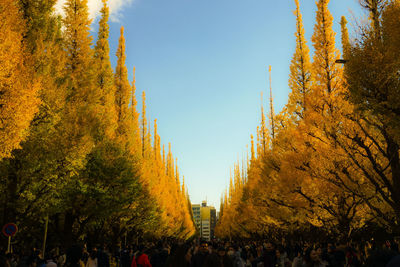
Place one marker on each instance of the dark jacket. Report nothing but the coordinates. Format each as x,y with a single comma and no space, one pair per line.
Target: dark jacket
199,258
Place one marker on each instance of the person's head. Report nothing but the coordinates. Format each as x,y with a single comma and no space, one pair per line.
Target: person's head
204,247
269,247
211,247
307,255
280,251
221,251
314,256
140,248
319,251
50,256
231,251
93,254
306,249
180,255
331,248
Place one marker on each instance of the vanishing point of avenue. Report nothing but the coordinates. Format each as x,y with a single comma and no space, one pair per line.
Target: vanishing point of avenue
99,99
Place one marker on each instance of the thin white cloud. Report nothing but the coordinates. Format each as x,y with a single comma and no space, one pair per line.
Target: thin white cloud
95,7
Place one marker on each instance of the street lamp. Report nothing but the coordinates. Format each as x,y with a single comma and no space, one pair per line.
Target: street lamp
341,61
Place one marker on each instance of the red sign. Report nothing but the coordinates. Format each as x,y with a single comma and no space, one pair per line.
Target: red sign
10,229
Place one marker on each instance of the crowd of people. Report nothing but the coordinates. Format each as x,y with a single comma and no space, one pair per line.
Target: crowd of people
301,254
213,254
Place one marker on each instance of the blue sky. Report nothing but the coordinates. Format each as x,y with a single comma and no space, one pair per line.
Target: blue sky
203,65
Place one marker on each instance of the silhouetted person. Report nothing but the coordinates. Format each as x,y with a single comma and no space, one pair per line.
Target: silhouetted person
180,256
74,255
269,255
201,255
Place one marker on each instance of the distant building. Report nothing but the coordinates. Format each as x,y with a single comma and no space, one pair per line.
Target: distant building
213,220
196,215
205,219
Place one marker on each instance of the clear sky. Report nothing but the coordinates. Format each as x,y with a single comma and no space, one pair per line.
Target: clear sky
203,64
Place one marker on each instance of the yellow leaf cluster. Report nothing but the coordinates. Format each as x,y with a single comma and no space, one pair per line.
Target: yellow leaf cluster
18,87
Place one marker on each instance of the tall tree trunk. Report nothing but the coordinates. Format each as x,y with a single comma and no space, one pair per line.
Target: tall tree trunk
68,236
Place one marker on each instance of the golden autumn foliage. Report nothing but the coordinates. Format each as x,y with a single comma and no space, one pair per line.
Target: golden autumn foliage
300,71
372,77
345,37
82,108
104,77
135,135
18,86
74,149
33,168
125,122
327,164
159,176
85,161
